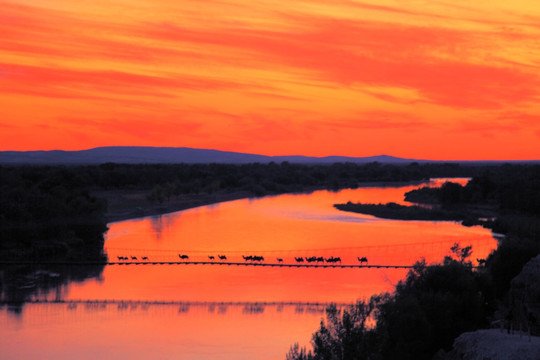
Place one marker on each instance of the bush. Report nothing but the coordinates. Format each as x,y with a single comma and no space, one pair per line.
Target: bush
344,334
427,311
508,260
431,307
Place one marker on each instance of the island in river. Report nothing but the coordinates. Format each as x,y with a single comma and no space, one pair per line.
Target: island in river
404,212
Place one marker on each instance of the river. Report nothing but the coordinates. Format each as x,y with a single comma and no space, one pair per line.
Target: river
228,311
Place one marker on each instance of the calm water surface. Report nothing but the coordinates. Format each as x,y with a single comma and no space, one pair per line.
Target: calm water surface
226,312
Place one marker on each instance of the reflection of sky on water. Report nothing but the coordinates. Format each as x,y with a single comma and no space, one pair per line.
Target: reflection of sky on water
203,327
285,227
188,331
212,308
331,217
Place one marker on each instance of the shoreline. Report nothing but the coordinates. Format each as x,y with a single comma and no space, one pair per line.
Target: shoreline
393,211
145,208
132,204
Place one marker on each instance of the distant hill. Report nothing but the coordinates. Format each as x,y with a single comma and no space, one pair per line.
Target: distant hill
170,155
156,155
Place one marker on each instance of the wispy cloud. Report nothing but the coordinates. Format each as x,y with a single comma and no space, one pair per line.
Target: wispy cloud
371,53
62,82
271,76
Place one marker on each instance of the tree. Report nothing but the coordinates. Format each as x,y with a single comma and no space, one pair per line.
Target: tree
431,307
462,254
344,334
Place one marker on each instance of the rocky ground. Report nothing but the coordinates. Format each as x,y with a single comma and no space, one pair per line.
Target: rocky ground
494,344
525,296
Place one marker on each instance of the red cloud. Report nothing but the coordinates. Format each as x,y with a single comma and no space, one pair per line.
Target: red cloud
61,82
430,60
376,54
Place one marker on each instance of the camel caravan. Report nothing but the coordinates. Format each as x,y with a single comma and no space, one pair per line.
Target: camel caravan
258,259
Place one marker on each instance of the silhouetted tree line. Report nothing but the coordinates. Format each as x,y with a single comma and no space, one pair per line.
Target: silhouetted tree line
169,181
272,177
47,215
401,212
509,188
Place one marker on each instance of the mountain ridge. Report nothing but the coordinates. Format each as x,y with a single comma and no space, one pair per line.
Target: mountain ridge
175,155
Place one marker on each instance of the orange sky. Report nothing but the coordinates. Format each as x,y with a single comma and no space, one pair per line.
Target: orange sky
418,79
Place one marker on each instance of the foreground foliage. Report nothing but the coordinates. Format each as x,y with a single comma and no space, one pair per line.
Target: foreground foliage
431,308
435,304
343,335
428,309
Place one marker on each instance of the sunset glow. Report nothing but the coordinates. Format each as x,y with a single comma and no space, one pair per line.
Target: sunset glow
428,80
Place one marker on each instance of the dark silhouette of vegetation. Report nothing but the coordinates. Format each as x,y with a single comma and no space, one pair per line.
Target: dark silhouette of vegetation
401,212
508,260
428,309
343,335
45,215
267,179
508,189
511,195
37,194
435,304
431,308
271,178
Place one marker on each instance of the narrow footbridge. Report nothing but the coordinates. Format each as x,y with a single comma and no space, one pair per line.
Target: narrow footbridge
215,263
264,264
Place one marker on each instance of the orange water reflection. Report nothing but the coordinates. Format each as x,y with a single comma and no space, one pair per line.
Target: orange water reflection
115,331
285,227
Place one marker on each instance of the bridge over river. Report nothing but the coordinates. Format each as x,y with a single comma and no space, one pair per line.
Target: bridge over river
216,263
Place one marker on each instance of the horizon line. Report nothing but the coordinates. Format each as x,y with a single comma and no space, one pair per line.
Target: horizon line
273,156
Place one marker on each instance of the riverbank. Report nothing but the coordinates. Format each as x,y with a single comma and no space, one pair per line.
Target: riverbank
131,204
61,212
400,212
395,211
